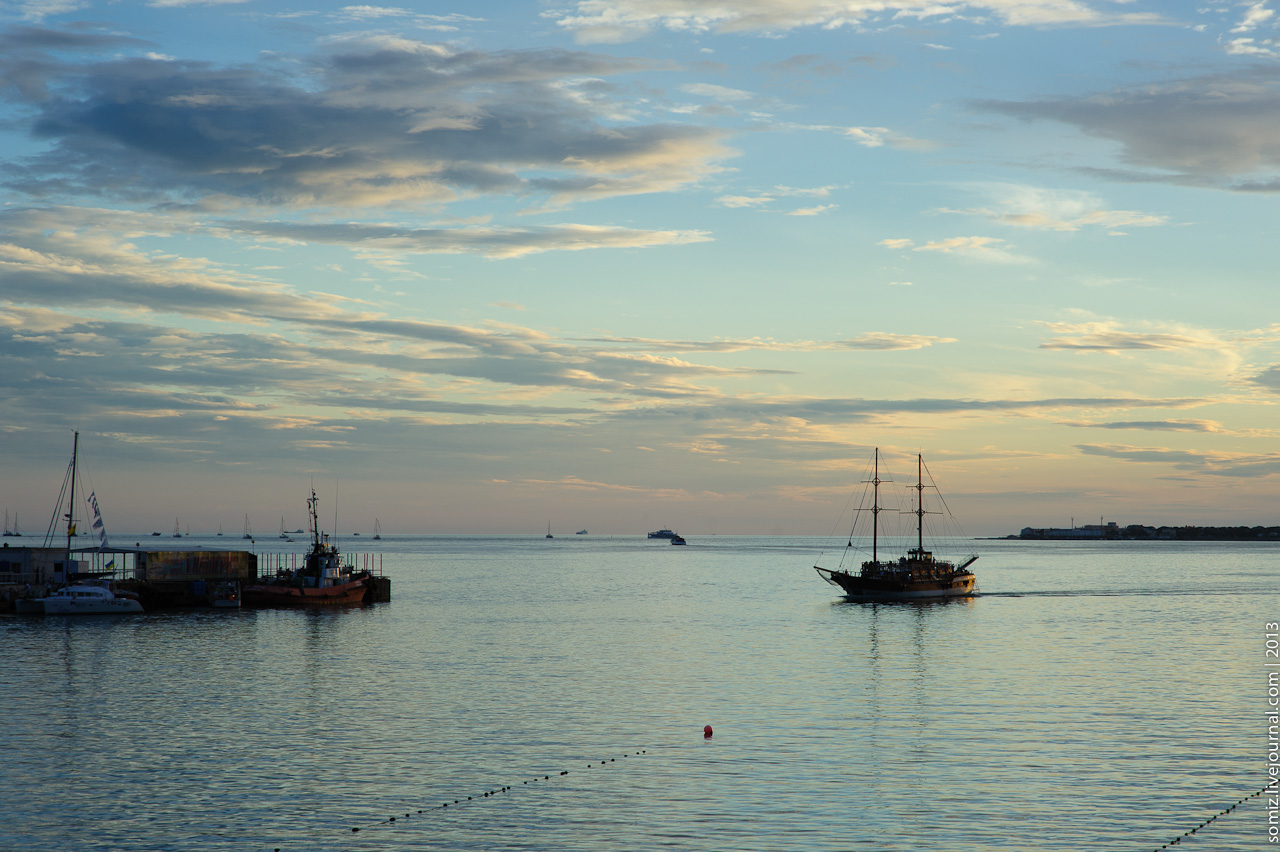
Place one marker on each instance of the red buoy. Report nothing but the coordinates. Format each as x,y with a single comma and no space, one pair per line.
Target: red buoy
706,732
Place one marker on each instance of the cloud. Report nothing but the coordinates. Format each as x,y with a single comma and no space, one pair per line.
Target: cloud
1227,464
374,121
1108,337
896,243
1054,210
874,340
386,241
1268,379
616,21
1205,131
1255,16
978,248
1207,426
813,211
744,200
719,93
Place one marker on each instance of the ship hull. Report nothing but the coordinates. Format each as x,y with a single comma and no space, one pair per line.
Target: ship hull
293,595
859,588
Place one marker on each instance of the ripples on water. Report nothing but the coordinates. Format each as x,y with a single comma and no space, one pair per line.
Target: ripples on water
1095,696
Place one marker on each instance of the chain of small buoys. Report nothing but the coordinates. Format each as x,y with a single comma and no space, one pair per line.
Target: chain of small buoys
1207,822
392,820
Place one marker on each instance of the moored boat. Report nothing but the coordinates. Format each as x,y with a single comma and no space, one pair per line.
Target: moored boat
323,579
916,575
83,598
226,595
78,594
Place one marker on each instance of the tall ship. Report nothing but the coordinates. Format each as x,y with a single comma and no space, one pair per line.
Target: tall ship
323,579
914,576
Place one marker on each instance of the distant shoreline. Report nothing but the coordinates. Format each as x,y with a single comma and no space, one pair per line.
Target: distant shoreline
1139,532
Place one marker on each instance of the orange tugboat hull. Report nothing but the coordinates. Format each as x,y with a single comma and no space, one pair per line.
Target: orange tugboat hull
293,595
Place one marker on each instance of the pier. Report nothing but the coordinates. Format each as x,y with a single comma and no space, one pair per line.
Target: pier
162,579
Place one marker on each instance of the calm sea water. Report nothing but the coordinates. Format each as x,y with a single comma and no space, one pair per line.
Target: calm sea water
1096,696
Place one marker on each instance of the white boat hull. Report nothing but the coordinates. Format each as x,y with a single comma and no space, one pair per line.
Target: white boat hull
80,599
116,606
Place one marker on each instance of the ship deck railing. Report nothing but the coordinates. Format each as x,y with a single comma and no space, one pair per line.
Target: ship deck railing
276,564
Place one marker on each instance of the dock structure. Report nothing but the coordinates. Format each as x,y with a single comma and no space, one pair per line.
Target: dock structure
162,579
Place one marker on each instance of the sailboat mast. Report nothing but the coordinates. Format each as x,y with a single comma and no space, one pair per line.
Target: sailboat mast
71,503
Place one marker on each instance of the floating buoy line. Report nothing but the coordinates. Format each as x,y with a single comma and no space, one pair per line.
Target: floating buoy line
480,797
488,794
1187,834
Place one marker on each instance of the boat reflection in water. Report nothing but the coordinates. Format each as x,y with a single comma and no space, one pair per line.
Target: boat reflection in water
918,575
323,579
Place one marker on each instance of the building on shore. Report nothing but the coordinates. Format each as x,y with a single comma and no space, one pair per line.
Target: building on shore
1088,531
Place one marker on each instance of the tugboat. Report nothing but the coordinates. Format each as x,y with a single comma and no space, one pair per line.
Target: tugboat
323,580
915,576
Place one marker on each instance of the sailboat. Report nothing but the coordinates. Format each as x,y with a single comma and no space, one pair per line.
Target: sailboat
248,533
283,534
549,535
916,575
10,531
377,530
79,596
177,530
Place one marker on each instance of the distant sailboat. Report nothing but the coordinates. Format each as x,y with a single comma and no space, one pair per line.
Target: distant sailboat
7,529
177,530
283,534
219,529
549,535
377,530
248,533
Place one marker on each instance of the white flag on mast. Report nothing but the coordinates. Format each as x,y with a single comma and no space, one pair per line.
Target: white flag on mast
98,526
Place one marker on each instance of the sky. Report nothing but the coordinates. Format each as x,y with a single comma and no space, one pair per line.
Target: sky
625,264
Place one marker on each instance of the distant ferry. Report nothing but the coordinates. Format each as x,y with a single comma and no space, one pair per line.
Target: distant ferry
662,533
